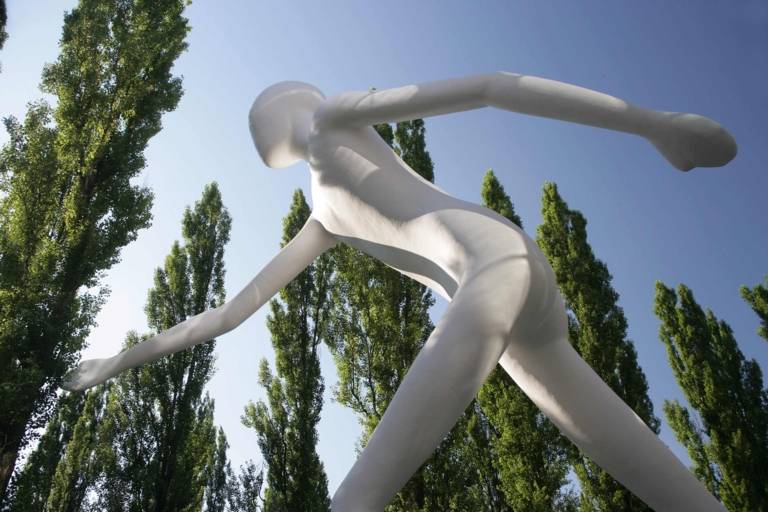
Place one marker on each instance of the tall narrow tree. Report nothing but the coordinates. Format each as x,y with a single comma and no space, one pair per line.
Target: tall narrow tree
286,425
495,197
529,454
726,433
67,204
218,485
3,21
757,298
30,486
245,489
598,331
157,433
77,469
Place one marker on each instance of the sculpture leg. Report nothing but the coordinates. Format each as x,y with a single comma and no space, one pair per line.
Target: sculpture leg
443,379
590,414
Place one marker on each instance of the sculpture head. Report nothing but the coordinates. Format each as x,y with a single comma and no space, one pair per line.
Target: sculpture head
280,120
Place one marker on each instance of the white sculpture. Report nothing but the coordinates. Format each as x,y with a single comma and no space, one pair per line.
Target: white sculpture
505,305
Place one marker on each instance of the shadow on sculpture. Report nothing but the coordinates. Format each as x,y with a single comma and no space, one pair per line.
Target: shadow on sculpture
505,306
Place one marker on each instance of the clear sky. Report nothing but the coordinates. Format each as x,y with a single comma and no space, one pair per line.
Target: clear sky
647,221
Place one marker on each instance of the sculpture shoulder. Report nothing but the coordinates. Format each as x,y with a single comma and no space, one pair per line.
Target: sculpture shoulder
347,149
335,111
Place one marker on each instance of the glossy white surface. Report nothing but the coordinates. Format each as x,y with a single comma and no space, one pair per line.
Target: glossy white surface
505,306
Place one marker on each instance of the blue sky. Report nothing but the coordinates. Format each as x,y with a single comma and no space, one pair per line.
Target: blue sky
647,221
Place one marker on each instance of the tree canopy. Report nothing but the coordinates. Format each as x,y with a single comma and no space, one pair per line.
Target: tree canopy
725,430
67,203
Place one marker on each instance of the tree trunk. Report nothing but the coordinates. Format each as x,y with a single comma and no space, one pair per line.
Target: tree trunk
7,463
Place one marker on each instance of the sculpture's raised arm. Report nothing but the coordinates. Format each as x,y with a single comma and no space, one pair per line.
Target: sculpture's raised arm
310,242
686,140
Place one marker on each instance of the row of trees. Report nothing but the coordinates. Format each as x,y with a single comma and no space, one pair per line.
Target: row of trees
147,440
67,203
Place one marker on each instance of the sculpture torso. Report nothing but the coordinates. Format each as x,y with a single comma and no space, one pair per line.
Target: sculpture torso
369,198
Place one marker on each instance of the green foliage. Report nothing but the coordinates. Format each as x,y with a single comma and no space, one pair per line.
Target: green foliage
480,460
31,486
757,298
411,145
67,204
598,331
78,466
3,21
286,425
726,434
219,474
495,198
528,453
379,323
158,433
245,490
146,442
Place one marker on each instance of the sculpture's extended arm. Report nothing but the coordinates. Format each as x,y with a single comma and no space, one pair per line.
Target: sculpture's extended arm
686,140
309,243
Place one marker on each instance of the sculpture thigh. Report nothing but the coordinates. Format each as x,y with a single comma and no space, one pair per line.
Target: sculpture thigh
448,372
591,415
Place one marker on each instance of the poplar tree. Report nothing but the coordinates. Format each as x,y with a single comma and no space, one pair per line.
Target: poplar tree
219,476
157,435
146,441
67,203
757,298
77,469
528,452
725,430
379,322
3,21
245,489
598,332
30,487
495,197
286,425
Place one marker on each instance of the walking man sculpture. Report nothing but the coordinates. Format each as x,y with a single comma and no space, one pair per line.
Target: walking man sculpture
505,306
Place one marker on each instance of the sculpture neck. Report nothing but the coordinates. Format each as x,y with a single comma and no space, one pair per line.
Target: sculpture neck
301,128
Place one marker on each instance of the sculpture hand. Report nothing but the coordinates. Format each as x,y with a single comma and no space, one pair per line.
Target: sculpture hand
691,140
88,373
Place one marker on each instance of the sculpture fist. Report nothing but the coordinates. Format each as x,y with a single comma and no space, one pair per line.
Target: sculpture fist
87,374
691,140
